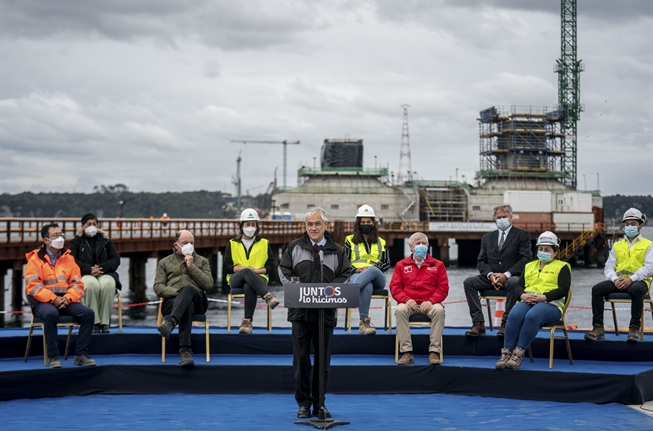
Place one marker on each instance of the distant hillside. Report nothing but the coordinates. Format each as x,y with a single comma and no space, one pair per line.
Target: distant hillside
615,206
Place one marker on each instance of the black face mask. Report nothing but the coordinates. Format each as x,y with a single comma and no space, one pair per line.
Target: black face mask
366,228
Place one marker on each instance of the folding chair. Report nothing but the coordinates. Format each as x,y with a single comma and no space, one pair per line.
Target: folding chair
199,319
240,293
489,295
553,326
418,320
625,298
65,321
377,294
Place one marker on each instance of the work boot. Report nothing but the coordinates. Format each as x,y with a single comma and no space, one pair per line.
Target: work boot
434,358
54,362
502,330
516,359
271,300
84,361
598,333
633,334
365,327
505,357
166,328
406,359
186,357
478,328
245,326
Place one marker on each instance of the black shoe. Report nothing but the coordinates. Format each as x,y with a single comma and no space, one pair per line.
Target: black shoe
316,412
96,329
166,328
186,357
106,329
304,412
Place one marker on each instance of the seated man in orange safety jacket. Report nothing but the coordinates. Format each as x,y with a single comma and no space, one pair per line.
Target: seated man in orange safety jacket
53,285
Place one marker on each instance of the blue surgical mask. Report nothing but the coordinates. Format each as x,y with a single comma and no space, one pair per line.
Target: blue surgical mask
503,223
420,251
631,231
544,257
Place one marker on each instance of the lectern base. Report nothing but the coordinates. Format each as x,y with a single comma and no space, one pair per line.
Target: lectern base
322,424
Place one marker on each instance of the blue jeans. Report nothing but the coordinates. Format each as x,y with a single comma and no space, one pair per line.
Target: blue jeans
371,278
525,320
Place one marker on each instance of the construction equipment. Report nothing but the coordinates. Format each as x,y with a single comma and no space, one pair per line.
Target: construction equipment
285,152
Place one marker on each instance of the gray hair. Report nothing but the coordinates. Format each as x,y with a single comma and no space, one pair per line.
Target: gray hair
505,207
314,210
417,235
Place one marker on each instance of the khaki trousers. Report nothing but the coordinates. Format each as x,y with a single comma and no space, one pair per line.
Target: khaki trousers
435,313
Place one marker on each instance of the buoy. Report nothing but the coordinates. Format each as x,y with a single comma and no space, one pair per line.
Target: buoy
498,312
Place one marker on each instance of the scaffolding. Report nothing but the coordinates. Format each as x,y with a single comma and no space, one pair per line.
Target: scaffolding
443,201
521,142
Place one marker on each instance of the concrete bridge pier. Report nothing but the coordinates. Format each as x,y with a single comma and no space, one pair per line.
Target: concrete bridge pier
138,283
17,292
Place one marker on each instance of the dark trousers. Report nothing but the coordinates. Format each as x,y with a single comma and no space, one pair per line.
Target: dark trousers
480,283
50,316
303,336
254,286
637,290
188,301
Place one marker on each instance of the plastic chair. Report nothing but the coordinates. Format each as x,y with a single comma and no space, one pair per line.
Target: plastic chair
199,319
625,298
418,320
240,293
489,295
65,321
383,294
553,326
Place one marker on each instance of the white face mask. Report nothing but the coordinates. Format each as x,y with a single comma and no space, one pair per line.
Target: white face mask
187,249
249,231
91,231
57,243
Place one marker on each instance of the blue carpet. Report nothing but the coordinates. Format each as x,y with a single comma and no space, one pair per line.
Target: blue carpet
277,412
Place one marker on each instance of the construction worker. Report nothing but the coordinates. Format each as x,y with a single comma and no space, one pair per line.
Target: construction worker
629,269
368,258
248,261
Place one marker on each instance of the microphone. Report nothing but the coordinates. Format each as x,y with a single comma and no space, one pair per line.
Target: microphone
321,252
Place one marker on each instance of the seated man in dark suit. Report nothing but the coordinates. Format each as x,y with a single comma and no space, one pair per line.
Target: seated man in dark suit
504,253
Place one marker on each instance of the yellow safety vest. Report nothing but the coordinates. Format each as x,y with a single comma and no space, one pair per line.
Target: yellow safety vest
540,282
630,259
258,255
360,257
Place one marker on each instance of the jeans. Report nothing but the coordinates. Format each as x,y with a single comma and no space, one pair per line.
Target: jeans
524,322
253,284
370,279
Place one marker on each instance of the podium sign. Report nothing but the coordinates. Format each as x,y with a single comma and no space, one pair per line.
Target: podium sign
321,295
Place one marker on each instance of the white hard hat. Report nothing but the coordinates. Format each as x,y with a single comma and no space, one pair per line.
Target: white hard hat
548,238
249,214
634,214
365,211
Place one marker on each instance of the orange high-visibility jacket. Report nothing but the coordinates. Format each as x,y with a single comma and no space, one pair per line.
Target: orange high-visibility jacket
45,282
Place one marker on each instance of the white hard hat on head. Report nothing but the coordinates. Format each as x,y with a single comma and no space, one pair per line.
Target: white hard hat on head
249,214
365,211
634,214
548,238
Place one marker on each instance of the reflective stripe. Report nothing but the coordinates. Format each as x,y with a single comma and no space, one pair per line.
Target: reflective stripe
361,257
36,289
76,286
50,281
62,278
546,280
631,259
59,289
31,277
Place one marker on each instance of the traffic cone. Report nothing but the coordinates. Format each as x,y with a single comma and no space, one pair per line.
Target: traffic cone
498,312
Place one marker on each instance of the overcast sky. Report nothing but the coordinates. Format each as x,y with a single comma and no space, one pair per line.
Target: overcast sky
149,93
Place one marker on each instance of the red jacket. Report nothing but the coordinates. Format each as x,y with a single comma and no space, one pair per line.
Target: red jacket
429,282
44,282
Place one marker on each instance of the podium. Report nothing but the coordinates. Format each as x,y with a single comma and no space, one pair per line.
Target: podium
321,296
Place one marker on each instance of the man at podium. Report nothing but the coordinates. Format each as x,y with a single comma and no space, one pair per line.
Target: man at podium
302,260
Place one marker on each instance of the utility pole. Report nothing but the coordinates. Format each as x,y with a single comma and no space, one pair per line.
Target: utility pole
405,172
568,68
285,152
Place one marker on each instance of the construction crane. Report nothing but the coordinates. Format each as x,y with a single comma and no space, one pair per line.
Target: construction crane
285,152
568,68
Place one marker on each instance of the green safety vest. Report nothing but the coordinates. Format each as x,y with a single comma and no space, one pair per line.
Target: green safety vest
360,257
540,282
258,255
630,259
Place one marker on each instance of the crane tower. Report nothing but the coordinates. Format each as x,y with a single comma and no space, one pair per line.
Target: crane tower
405,172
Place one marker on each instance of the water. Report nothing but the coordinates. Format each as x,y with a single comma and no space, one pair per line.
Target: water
457,312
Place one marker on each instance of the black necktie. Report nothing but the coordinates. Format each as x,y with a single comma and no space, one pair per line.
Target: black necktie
502,240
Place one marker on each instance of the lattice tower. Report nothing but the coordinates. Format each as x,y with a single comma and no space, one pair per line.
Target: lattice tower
405,172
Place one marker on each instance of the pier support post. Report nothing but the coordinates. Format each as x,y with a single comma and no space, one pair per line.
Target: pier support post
17,292
444,252
138,284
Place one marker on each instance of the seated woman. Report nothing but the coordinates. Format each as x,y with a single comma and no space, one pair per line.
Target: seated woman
98,261
542,289
247,261
369,260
